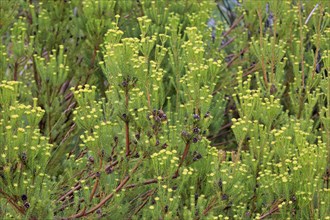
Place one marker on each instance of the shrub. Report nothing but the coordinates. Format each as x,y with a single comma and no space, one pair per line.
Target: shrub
164,110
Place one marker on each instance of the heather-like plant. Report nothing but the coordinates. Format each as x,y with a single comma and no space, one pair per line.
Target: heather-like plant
25,184
164,109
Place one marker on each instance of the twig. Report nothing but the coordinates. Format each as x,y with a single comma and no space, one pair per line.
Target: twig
269,213
96,184
146,198
142,195
127,138
108,197
227,43
150,181
147,182
236,56
236,22
252,69
13,203
274,208
310,14
70,192
15,70
68,133
210,206
78,186
69,204
184,155
222,128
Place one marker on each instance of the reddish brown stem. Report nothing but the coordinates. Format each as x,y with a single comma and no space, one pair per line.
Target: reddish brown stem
77,187
97,181
147,182
127,138
142,196
146,199
253,69
121,185
237,56
210,206
68,205
150,181
13,203
274,208
108,197
227,43
15,71
84,213
222,128
269,213
236,22
184,155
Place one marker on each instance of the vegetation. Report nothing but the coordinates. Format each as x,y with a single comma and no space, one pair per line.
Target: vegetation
189,109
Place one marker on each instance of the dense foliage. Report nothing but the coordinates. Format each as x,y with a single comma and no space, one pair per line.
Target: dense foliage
188,109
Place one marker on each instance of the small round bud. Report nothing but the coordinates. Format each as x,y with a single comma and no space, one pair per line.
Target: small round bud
24,197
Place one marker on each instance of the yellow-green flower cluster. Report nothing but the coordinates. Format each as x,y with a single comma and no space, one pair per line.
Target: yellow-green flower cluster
9,91
100,138
144,23
241,127
54,70
112,36
89,112
24,151
165,162
19,47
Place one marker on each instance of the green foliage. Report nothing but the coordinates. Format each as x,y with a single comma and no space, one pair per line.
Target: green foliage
164,109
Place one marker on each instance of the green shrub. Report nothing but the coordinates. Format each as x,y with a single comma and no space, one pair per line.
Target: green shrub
164,109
